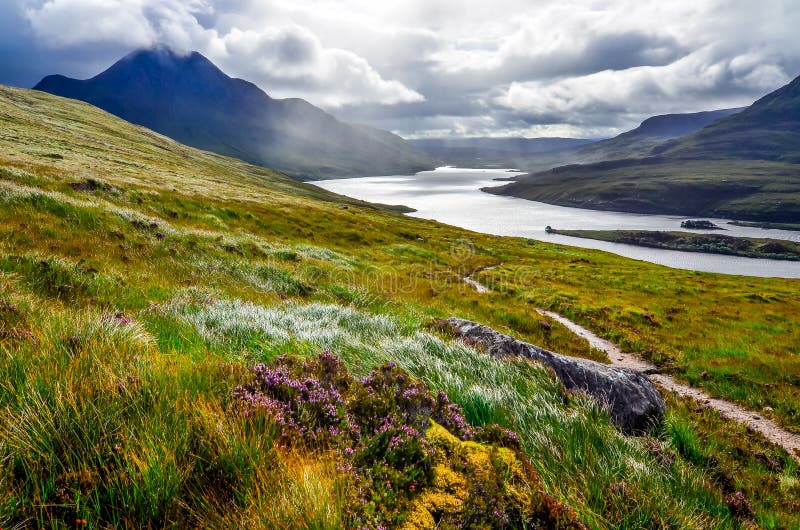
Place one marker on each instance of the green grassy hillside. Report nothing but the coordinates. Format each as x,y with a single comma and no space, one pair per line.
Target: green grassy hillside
692,242
742,189
140,280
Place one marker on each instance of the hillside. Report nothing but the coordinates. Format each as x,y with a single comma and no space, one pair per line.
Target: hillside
187,340
190,100
767,130
650,133
745,166
538,154
744,190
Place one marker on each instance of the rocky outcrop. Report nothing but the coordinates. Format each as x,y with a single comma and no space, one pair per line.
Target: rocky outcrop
635,404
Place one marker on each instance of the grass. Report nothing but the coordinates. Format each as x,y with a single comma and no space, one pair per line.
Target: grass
121,342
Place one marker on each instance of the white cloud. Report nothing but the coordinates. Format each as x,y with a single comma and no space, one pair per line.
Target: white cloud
703,80
132,23
71,22
291,61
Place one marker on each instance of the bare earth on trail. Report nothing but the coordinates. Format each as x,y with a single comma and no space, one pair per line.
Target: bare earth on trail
768,428
726,409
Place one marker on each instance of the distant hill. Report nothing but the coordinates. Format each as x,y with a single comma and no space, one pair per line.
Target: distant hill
537,154
744,166
191,100
509,152
493,150
650,133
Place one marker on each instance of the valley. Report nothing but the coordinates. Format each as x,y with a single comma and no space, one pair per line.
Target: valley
324,265
453,196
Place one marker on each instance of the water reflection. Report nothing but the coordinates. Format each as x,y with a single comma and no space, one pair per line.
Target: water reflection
453,196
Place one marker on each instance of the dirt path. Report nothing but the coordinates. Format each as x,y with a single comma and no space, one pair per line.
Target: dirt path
475,283
769,429
726,409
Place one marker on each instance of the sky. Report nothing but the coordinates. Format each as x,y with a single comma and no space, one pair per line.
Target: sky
439,68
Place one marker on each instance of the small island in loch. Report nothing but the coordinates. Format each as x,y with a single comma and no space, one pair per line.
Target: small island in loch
702,224
689,242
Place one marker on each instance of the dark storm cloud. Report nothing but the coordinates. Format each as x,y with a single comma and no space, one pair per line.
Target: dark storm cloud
450,67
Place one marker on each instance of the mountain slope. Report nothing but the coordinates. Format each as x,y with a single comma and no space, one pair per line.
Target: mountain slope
538,154
650,133
744,166
767,130
191,100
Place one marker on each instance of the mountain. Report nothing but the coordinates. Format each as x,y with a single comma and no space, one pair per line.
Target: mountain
538,154
767,130
479,152
744,166
650,133
191,100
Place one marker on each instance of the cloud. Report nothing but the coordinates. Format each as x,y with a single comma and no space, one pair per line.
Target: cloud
703,80
285,60
291,60
137,23
455,67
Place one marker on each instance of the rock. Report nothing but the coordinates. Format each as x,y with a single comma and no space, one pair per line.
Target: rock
635,404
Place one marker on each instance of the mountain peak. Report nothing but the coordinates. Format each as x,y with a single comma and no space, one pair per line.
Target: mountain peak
164,63
186,97
164,57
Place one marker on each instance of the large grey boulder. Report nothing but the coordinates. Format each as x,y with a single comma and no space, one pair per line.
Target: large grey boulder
635,404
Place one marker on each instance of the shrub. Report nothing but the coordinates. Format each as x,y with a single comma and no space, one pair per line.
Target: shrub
378,427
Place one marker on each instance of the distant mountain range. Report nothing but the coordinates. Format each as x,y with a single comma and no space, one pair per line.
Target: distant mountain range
480,152
745,165
191,100
652,132
535,154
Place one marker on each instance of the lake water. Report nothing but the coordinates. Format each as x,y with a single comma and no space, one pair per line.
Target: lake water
453,196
